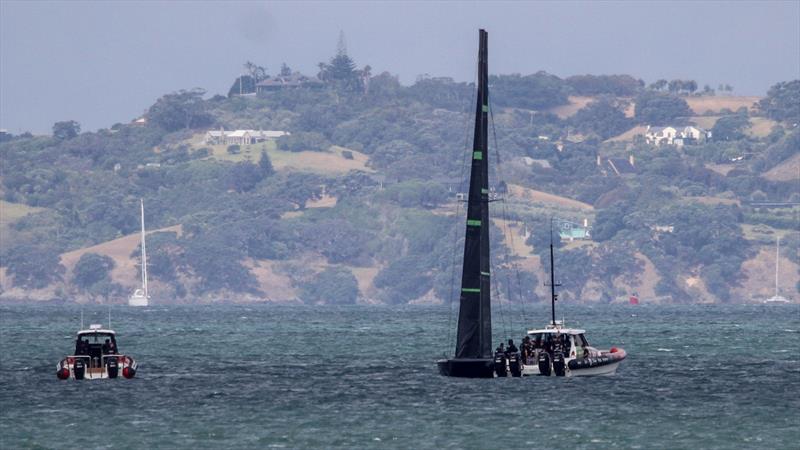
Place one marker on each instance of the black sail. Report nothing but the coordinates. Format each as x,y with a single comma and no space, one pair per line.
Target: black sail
474,338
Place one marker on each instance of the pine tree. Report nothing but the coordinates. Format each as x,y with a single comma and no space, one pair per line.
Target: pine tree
265,164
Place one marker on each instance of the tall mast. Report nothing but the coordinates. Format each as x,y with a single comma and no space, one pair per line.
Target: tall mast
474,336
777,259
144,254
553,296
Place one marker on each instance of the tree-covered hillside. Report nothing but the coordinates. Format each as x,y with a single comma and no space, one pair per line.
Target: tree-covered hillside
360,201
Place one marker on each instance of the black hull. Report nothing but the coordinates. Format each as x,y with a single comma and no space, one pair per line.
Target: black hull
589,363
467,368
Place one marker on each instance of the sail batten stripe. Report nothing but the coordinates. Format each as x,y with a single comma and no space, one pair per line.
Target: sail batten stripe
478,290
473,223
477,156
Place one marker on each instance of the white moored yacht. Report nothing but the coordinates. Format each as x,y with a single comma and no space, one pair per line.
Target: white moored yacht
777,298
96,357
140,297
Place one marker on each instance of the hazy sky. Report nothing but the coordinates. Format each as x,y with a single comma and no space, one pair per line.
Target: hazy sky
105,62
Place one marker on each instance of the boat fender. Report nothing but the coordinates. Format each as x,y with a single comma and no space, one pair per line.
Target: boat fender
63,373
128,372
613,350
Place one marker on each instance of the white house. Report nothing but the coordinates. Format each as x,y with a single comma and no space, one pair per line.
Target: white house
241,137
678,136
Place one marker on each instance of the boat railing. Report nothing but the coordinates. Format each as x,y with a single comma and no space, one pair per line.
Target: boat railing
103,358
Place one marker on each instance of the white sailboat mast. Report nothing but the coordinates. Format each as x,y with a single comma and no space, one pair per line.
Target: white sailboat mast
144,255
777,258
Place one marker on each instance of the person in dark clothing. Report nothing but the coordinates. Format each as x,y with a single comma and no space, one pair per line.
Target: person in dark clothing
526,348
511,347
500,349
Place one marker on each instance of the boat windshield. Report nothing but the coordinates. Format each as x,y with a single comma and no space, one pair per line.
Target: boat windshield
88,343
546,340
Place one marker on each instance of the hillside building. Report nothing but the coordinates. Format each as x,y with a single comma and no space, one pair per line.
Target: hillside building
571,231
281,82
678,136
241,137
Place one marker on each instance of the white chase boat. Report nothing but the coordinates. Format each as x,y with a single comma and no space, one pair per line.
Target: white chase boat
140,297
777,298
557,350
96,357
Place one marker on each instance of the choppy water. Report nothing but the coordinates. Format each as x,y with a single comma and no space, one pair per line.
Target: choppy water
323,377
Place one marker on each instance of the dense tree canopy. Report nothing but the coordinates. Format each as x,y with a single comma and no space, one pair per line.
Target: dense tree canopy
66,130
783,102
660,109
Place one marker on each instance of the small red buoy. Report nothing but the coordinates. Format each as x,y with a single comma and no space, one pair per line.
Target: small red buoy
613,350
127,372
63,373
633,300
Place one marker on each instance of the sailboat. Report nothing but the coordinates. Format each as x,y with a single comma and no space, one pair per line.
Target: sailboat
140,297
777,298
473,354
553,350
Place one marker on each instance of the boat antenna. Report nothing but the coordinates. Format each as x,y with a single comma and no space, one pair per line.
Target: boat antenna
553,295
109,317
81,318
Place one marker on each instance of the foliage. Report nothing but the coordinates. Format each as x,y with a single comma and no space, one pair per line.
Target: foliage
730,128
603,118
180,110
334,285
304,141
91,269
416,194
63,131
659,109
538,91
265,164
782,102
403,280
33,266
244,84
618,85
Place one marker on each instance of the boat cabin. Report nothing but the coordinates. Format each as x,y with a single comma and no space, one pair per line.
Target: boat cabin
96,342
571,340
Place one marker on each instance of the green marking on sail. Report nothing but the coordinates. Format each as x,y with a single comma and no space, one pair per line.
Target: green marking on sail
485,273
485,108
473,223
484,191
477,155
478,290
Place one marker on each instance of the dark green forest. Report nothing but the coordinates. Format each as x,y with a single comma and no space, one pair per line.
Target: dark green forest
395,226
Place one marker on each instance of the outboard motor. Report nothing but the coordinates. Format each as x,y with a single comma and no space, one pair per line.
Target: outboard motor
544,364
112,368
514,365
79,369
500,367
558,364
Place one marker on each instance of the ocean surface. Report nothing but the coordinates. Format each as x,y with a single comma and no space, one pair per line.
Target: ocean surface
265,376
